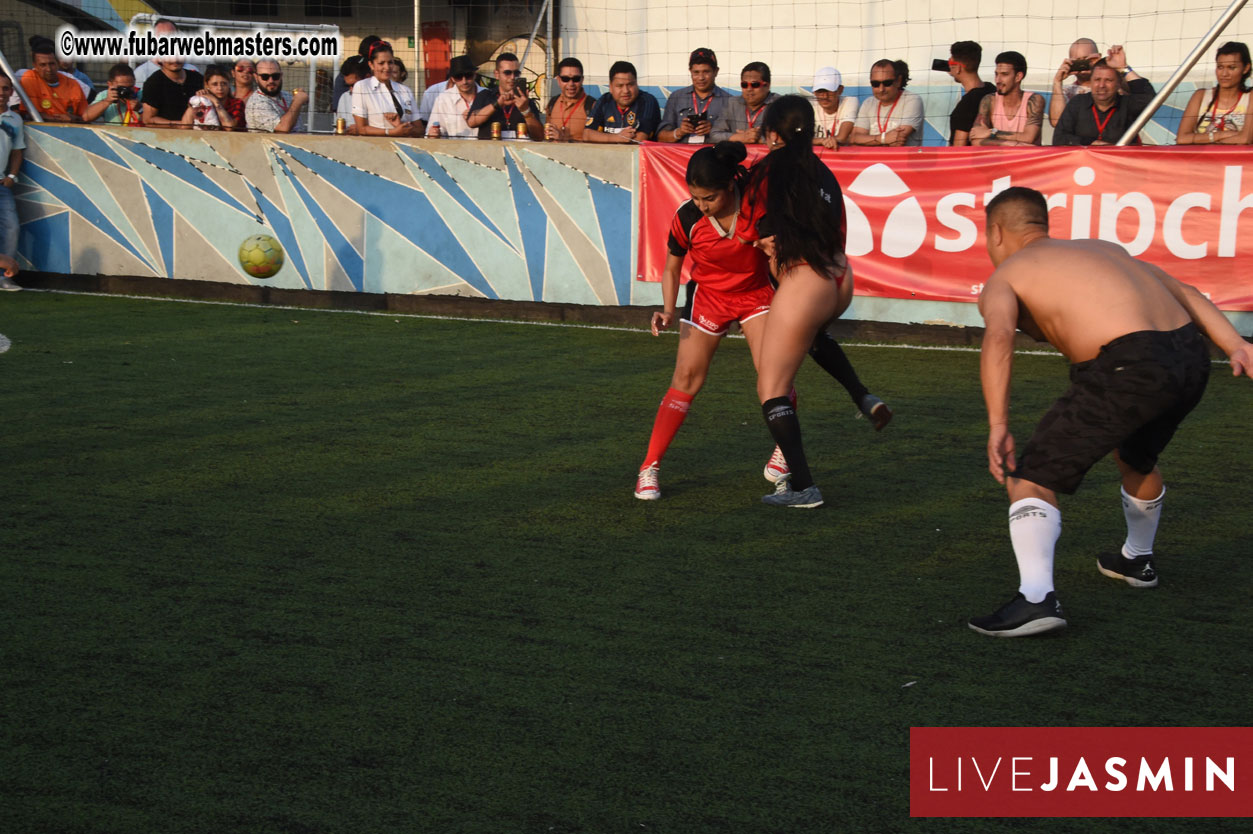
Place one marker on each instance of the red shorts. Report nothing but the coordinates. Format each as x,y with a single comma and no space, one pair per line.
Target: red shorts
711,311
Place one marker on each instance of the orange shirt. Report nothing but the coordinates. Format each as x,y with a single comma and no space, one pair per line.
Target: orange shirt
65,98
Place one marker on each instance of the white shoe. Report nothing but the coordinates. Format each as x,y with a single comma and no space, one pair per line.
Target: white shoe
646,486
776,468
7,283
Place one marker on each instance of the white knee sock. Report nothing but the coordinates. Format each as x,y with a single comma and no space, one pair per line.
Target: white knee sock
1034,525
1142,517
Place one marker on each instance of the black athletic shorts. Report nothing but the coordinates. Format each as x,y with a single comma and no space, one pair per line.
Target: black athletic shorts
1131,397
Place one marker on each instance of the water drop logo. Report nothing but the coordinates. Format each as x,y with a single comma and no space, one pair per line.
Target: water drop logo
905,229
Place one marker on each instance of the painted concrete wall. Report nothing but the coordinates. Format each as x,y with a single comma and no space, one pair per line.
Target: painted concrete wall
496,220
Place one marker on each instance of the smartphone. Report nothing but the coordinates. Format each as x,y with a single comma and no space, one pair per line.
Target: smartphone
940,65
520,84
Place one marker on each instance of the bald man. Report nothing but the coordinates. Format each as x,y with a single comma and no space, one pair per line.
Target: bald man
1138,367
1083,54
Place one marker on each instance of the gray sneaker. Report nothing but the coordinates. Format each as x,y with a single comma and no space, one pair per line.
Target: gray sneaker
785,496
7,283
875,410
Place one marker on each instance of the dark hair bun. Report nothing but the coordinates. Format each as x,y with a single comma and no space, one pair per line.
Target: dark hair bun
730,153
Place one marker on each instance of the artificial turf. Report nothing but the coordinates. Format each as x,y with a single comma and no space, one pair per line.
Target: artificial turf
270,570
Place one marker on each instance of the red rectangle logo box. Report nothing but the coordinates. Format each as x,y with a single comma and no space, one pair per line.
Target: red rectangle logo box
1081,771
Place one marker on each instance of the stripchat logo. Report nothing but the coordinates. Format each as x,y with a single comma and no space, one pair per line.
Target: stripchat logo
1081,771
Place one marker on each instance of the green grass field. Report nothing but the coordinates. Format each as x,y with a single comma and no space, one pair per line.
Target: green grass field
271,570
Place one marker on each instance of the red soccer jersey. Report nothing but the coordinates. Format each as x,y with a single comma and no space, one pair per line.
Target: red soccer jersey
719,262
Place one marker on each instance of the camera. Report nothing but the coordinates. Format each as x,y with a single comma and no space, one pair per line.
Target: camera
940,65
125,92
1080,65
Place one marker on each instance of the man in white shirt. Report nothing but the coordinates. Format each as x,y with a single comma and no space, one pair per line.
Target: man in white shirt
448,113
891,116
835,114
12,144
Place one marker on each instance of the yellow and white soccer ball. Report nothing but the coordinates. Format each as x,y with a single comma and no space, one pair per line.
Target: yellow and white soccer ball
261,256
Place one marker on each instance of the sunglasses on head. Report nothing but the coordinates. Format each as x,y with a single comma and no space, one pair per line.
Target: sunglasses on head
266,76
570,79
887,82
753,84
462,76
245,69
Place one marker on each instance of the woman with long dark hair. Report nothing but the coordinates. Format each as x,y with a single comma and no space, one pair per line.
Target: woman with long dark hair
1219,114
797,217
731,284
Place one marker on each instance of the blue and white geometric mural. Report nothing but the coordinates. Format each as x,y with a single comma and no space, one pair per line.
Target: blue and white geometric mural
503,220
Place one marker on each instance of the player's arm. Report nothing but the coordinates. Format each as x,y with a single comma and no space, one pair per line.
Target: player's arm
669,292
999,306
1211,320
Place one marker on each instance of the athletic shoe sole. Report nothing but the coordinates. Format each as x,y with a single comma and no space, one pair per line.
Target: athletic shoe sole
880,416
1040,626
1130,580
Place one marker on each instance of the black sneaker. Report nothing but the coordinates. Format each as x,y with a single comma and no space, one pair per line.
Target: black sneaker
1019,618
1137,572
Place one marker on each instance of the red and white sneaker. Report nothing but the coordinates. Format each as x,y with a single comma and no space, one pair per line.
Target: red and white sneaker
776,468
646,486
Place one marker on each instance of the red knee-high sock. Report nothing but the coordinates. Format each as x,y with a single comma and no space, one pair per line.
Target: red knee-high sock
791,395
670,416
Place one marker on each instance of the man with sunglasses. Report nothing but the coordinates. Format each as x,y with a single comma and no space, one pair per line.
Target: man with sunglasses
700,112
749,110
892,116
964,58
566,116
507,105
459,66
622,114
270,110
448,114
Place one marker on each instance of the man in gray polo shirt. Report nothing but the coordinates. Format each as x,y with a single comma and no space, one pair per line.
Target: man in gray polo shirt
701,111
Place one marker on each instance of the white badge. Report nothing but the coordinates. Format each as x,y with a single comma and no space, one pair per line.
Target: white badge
694,139
509,134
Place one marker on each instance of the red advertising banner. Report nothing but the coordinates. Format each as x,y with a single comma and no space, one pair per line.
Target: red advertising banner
1081,771
915,216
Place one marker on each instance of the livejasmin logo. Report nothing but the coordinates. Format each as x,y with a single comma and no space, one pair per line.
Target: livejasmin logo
1186,227
1077,775
1080,771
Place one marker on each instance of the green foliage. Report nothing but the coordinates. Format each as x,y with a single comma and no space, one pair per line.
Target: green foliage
293,571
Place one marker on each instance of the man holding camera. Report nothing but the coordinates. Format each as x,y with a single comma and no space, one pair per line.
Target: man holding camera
507,105
119,103
1102,116
700,112
1083,56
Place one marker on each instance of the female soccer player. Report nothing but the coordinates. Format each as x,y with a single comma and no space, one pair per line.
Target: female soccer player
732,284
797,216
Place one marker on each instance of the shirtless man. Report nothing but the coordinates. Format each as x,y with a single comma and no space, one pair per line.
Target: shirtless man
1139,365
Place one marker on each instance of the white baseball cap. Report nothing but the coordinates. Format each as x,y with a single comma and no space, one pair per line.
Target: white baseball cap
828,78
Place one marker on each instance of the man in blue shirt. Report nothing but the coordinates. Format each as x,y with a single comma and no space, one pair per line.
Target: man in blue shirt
623,114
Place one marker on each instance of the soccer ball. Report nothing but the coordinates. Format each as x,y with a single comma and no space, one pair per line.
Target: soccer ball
261,256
